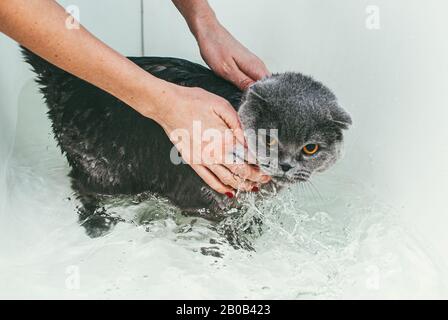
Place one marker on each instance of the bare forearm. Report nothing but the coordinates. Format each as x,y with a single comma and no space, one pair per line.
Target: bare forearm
225,55
40,25
197,13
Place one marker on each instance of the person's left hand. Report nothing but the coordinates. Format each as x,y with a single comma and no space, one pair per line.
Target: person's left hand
227,57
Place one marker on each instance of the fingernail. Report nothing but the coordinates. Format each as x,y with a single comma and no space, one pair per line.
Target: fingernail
265,179
229,195
255,189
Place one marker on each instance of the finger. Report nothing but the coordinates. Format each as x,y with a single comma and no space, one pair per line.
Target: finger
250,157
248,172
213,182
230,117
254,68
228,178
233,73
240,155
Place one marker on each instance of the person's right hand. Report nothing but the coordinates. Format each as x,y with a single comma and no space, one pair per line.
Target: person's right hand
187,105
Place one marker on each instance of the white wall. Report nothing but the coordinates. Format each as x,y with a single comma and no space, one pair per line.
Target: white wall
393,81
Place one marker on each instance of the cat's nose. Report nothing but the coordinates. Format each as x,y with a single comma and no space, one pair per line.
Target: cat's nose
285,166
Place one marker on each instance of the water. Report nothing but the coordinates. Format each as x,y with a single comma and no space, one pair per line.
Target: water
332,239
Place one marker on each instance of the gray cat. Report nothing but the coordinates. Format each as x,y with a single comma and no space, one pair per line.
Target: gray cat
308,119
113,150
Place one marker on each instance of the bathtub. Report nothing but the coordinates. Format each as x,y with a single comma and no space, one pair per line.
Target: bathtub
371,227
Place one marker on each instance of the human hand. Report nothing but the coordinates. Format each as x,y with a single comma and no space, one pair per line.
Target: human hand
215,115
227,56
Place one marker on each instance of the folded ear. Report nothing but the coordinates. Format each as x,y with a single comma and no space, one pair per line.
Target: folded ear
340,117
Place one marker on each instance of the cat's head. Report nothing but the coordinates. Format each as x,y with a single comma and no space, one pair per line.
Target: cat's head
308,120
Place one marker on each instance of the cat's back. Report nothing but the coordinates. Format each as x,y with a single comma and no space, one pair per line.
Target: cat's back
111,147
188,74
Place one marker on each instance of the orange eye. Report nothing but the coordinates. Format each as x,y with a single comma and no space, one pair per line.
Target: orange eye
310,149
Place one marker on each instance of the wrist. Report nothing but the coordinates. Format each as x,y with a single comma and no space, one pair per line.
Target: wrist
153,97
202,25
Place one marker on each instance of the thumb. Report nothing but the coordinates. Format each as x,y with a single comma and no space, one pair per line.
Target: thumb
254,68
238,77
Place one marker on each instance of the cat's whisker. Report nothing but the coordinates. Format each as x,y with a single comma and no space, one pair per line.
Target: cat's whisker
311,193
317,191
338,122
301,187
304,189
